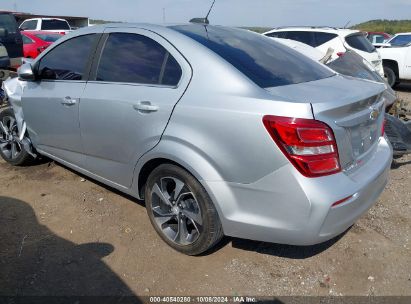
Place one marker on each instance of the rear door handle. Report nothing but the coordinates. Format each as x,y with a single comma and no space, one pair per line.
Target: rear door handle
68,101
145,107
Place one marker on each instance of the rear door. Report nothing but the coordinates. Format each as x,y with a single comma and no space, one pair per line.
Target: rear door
126,106
12,38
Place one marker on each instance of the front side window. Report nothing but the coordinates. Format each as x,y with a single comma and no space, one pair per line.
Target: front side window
54,24
359,42
301,36
266,62
132,58
401,40
68,60
277,35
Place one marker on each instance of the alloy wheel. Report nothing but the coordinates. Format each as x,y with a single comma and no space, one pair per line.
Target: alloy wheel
176,211
9,139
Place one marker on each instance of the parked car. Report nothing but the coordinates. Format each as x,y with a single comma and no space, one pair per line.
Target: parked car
10,38
219,130
35,42
340,40
397,63
378,37
400,39
54,25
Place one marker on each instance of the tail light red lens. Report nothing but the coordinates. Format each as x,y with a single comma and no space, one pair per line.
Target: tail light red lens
383,127
340,54
309,144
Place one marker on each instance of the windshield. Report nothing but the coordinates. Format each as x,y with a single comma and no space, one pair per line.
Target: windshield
8,22
400,40
264,61
54,24
359,42
49,37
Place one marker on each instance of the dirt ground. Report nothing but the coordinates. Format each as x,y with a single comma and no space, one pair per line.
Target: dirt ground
62,234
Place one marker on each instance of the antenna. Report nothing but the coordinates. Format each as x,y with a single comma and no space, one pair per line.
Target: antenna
203,20
208,14
345,26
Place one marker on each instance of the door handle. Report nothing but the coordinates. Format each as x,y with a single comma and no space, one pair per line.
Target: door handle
68,101
145,107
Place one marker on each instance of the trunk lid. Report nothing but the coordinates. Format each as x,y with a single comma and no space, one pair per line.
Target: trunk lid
352,107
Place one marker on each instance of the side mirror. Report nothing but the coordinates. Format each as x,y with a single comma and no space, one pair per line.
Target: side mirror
26,73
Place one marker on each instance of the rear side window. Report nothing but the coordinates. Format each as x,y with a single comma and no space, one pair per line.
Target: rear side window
54,24
29,25
321,38
26,40
133,58
360,42
263,60
67,61
8,22
49,37
304,37
401,40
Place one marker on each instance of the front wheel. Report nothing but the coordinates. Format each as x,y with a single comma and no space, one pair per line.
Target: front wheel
11,148
181,211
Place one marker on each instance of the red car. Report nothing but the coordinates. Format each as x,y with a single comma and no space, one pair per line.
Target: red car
36,42
378,37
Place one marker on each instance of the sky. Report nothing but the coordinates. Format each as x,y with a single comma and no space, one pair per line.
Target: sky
267,13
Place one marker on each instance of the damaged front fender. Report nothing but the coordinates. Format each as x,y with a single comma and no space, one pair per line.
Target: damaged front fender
13,89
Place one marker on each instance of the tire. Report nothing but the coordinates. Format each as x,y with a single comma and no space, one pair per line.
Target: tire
11,150
181,211
391,76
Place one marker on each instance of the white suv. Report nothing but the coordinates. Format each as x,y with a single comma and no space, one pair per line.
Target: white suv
54,25
340,40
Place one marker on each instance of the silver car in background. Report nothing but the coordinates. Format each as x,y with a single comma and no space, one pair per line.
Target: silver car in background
221,131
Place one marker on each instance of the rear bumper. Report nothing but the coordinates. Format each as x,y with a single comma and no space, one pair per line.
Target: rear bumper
285,207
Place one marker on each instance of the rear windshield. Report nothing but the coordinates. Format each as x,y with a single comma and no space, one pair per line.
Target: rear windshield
49,37
8,22
400,40
264,61
360,42
54,25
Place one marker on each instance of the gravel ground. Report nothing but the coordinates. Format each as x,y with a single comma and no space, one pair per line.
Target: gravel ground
62,234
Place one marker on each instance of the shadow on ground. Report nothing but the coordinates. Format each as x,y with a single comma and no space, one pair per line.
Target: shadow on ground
285,251
36,262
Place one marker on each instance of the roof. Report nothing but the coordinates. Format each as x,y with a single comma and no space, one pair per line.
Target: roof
313,29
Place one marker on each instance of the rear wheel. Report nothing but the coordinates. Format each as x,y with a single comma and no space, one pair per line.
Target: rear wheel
11,148
391,75
181,211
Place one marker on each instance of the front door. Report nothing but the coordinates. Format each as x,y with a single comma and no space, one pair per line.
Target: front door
51,104
124,111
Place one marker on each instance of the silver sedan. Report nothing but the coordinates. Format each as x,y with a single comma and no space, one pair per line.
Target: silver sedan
221,131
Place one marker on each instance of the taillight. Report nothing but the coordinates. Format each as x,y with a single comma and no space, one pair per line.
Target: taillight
309,144
383,127
41,49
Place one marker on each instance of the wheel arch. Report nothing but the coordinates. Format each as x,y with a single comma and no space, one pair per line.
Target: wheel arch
393,64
